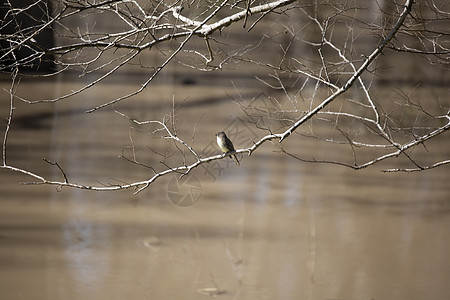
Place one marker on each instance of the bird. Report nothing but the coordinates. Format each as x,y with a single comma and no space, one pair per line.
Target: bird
226,145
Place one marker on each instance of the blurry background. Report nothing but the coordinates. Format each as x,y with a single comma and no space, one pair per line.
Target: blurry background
273,228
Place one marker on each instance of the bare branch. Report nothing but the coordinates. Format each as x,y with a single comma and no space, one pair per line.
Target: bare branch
311,75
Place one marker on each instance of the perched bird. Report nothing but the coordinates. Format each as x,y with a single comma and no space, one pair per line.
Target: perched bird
226,145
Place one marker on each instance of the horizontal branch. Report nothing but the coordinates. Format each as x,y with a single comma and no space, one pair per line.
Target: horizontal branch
208,29
432,166
186,169
400,149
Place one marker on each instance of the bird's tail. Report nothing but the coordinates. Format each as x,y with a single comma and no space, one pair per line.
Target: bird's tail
237,161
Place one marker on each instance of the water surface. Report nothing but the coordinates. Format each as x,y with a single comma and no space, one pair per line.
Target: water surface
274,228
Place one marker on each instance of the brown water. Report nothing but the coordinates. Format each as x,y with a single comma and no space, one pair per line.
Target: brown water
275,228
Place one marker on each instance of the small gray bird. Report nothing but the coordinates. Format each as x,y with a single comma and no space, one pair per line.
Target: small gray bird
226,145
